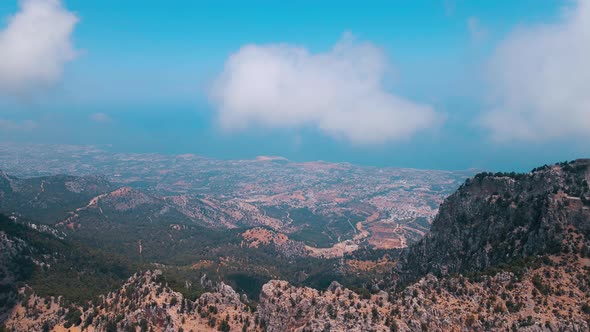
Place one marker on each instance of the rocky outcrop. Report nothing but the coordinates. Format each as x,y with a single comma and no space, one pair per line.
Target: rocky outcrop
143,303
287,308
549,298
553,296
500,219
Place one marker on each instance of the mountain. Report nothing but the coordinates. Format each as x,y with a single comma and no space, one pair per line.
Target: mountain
94,212
48,199
504,218
322,204
186,234
506,252
69,200
143,303
42,258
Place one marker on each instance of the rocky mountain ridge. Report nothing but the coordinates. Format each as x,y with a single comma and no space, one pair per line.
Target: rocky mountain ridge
506,252
496,219
552,297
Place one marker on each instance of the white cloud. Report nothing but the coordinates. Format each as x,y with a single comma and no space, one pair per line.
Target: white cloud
340,92
10,125
477,31
35,45
100,117
540,77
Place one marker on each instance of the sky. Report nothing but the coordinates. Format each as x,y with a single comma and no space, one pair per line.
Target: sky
449,84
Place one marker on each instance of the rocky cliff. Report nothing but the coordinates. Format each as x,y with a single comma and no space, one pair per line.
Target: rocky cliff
505,218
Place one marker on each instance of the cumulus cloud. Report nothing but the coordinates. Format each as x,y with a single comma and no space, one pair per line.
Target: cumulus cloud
540,77
340,92
35,45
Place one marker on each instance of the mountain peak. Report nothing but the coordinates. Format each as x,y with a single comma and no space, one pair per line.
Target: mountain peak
500,218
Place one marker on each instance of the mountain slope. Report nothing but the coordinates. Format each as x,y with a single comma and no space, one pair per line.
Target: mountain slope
70,199
496,219
48,199
523,240
53,266
547,298
506,252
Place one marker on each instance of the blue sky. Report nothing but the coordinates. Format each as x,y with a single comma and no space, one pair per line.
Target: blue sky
143,78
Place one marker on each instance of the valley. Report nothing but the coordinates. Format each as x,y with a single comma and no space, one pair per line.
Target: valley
277,248
506,251
317,203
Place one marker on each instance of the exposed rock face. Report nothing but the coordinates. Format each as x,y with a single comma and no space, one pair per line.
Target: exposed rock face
553,297
522,240
499,219
144,303
287,308
549,298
